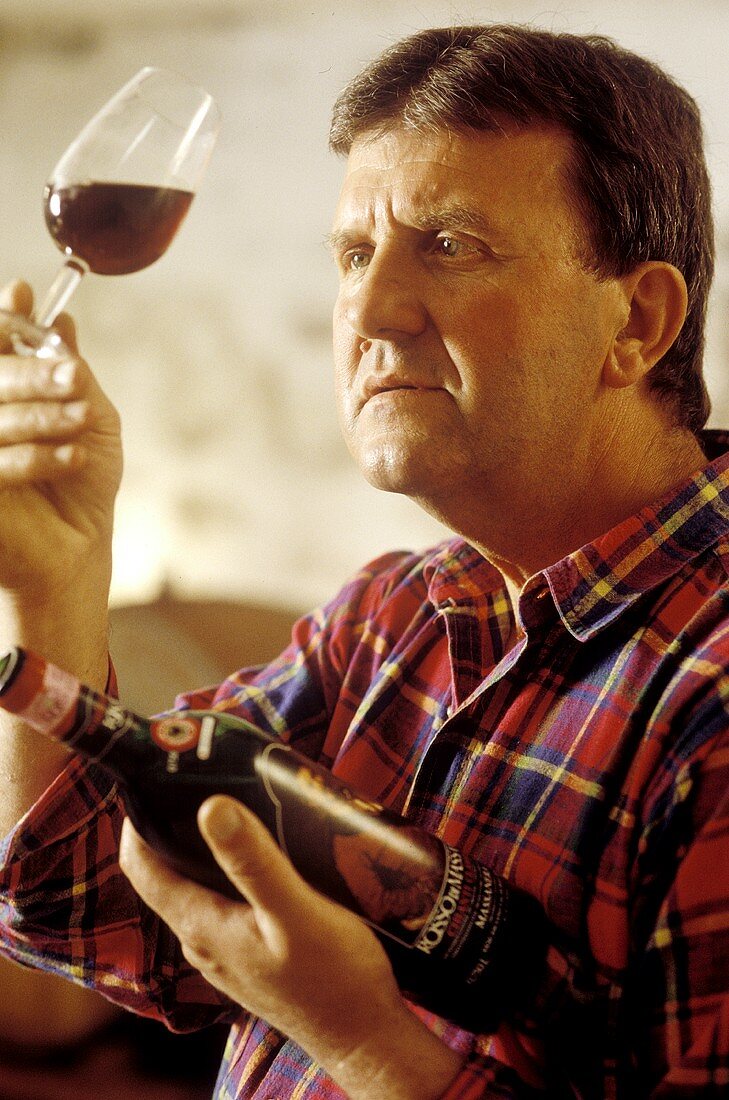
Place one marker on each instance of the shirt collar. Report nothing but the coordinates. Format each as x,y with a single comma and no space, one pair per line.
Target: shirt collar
596,583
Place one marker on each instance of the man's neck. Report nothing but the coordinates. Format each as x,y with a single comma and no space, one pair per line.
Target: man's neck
529,533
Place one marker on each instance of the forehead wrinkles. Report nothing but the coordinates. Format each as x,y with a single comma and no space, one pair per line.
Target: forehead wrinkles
423,192
395,174
389,198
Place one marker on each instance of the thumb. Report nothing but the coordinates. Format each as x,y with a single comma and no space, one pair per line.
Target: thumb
247,853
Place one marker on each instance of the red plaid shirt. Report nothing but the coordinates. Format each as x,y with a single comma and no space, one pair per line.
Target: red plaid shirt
582,752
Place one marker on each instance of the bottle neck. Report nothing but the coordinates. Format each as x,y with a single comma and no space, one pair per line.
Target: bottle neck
107,733
92,723
59,706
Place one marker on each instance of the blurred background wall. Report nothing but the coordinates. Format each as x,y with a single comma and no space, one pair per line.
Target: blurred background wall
237,485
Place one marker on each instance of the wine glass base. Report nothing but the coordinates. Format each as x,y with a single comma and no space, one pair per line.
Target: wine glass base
26,338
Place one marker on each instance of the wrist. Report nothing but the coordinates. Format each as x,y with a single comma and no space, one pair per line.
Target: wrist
63,615
398,1057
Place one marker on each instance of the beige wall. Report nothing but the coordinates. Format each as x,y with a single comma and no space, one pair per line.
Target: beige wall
237,484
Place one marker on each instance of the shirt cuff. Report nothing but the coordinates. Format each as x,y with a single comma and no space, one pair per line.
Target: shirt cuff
72,801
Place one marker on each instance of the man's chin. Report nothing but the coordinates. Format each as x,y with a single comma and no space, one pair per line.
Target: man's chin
392,472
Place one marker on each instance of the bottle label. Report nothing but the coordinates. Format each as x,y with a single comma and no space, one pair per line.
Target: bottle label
466,916
406,882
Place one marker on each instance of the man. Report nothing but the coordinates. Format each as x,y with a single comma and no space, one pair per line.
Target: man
518,341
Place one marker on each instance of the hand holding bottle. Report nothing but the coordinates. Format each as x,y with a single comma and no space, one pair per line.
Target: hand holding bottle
308,966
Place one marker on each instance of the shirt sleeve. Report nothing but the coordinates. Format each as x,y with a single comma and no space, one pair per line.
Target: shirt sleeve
310,693
67,909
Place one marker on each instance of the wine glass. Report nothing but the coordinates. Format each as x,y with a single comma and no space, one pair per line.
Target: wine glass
120,191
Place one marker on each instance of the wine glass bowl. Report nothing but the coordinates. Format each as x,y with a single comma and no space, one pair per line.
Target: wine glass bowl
119,193
114,228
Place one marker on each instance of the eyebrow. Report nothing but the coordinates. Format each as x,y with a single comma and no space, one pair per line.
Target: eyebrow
454,216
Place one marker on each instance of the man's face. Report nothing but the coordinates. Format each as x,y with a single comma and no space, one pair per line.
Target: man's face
468,337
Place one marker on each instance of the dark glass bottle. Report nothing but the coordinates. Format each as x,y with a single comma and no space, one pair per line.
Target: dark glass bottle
462,942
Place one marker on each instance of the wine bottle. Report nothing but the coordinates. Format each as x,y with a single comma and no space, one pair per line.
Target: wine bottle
463,943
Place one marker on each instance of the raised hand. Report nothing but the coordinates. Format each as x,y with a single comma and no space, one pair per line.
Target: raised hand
60,462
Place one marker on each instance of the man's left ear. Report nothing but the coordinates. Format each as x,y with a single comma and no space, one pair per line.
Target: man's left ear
657,299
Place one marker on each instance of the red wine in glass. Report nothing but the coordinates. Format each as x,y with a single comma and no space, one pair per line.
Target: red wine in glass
115,228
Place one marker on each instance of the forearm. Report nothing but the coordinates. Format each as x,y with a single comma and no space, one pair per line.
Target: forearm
66,907
68,623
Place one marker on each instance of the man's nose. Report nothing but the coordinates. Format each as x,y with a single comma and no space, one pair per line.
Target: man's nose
387,301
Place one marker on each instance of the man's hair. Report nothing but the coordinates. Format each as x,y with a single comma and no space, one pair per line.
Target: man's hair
638,173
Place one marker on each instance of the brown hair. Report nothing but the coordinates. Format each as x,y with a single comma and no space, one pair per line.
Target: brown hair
638,172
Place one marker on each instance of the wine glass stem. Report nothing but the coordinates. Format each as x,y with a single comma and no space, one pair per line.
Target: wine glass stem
60,291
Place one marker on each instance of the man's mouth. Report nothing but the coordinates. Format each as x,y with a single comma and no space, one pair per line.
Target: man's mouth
374,386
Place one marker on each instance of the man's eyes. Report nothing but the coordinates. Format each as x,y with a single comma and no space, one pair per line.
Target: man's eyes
448,246
356,259
441,245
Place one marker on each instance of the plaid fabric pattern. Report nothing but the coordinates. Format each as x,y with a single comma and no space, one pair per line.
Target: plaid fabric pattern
581,749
